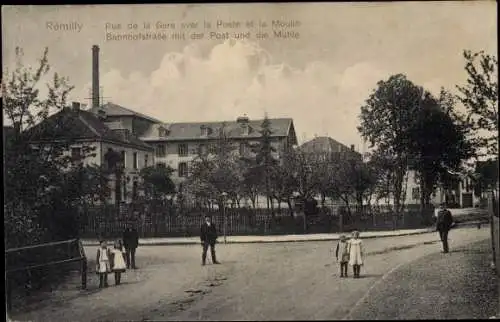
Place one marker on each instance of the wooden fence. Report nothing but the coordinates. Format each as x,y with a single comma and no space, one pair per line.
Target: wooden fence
107,222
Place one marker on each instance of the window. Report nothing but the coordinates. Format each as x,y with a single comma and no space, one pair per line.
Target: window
243,148
415,193
136,161
204,130
245,129
212,148
183,169
202,149
183,150
76,154
124,159
161,150
146,160
134,189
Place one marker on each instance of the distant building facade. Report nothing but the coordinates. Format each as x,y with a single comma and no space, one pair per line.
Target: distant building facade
461,195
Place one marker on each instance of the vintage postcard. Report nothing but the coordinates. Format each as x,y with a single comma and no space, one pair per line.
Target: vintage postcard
253,161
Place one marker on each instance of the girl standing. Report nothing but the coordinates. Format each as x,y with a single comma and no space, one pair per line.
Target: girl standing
356,253
119,264
103,263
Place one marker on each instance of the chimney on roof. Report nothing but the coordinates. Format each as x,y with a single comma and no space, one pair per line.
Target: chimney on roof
75,106
95,76
352,147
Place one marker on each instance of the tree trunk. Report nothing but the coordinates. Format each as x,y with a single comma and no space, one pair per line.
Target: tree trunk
290,207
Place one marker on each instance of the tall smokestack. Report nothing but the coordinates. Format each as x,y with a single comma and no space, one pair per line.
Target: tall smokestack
95,76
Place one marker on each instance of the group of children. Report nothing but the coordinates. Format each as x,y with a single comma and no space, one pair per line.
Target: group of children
110,260
350,252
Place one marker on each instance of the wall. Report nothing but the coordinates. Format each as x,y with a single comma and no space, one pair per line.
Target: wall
127,121
89,160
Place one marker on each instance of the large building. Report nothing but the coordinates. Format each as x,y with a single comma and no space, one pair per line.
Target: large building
178,144
86,129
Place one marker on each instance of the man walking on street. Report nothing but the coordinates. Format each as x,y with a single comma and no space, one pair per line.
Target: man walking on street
130,243
208,237
443,225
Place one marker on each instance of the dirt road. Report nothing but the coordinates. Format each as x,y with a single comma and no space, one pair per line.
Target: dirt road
255,281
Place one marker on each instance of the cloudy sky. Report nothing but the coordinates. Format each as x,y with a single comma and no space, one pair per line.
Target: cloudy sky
320,79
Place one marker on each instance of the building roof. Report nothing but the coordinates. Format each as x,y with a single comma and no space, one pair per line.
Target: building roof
280,127
80,125
324,144
113,109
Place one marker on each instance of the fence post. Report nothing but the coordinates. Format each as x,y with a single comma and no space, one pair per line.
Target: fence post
83,265
491,210
341,221
8,286
84,273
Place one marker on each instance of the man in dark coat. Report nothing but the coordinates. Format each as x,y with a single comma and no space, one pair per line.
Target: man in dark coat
130,243
208,237
444,221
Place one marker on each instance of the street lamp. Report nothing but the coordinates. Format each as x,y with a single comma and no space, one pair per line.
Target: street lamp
224,194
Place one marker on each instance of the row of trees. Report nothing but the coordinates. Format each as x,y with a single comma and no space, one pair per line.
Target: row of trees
280,176
409,128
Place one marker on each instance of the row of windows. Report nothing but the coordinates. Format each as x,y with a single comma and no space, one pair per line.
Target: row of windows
182,149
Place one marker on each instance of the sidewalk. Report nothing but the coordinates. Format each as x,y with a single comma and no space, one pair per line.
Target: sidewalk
458,285
268,239
275,238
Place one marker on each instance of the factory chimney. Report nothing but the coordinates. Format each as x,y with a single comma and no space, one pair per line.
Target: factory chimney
95,76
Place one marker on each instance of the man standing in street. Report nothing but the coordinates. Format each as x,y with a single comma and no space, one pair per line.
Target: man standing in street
130,242
208,237
444,222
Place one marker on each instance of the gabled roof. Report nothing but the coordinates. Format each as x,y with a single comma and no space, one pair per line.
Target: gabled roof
80,125
280,127
324,144
113,109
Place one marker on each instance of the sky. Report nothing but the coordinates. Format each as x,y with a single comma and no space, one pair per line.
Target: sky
320,77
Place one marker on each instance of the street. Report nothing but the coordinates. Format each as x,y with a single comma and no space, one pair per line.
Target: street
282,281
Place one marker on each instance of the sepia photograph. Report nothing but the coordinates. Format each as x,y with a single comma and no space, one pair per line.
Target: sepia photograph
251,161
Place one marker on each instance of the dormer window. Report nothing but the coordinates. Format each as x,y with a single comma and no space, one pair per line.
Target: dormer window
204,130
245,129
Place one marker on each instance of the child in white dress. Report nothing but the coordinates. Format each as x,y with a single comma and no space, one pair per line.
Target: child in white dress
119,264
356,253
103,265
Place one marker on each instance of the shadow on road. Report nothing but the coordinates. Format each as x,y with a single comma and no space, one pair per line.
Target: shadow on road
370,275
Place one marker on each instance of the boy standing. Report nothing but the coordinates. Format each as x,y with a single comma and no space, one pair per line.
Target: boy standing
343,251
